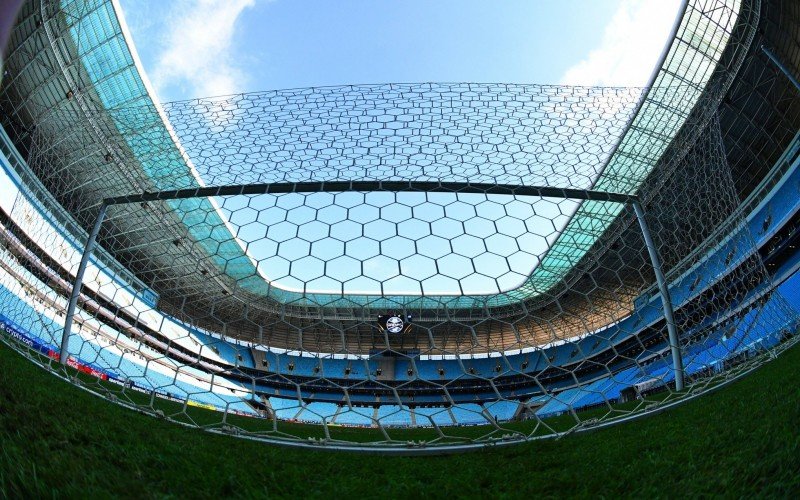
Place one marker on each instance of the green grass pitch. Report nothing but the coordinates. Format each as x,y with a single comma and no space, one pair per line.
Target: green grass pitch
59,441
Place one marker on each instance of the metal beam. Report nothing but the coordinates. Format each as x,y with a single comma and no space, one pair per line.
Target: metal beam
369,186
76,286
666,300
780,66
397,186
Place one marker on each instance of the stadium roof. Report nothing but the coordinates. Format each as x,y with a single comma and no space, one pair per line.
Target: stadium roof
510,134
114,140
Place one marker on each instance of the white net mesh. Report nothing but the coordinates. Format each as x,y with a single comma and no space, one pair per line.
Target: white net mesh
423,265
281,309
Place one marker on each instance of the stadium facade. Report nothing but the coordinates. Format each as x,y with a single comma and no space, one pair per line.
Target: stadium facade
404,255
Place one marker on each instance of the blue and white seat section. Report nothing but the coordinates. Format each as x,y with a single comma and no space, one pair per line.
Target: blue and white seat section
779,207
107,355
107,349
34,311
230,354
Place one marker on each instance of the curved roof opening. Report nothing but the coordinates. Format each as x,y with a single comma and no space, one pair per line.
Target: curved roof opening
403,243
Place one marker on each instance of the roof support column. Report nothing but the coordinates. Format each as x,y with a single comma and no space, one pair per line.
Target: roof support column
781,67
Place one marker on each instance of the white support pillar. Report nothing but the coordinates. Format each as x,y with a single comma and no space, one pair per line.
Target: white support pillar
666,301
76,287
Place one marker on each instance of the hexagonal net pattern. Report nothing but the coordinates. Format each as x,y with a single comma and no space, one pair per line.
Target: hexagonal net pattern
399,267
207,320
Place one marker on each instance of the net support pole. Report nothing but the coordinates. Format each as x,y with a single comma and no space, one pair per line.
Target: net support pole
76,286
666,301
780,66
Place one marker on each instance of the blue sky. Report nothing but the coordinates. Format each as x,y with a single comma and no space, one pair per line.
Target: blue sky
199,48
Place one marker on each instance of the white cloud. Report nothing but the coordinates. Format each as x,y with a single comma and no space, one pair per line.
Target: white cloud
197,49
631,45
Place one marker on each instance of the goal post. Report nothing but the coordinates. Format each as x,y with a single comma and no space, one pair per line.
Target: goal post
255,189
